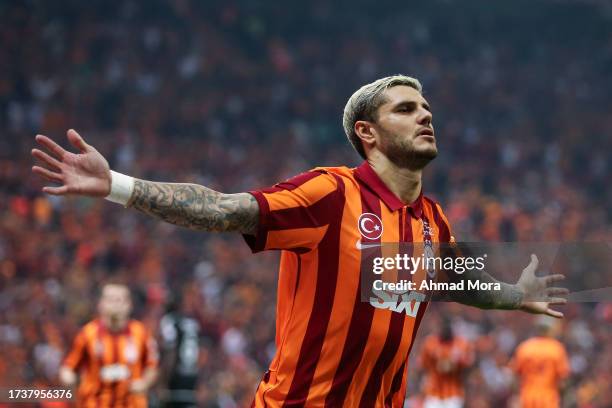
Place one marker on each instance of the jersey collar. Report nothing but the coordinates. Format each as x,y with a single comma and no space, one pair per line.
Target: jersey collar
102,329
370,179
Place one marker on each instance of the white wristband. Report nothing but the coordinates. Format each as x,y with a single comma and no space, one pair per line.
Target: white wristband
122,187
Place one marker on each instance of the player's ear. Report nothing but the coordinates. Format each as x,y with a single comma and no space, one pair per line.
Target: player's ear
366,132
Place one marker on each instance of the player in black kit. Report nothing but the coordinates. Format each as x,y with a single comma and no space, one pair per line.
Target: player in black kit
180,347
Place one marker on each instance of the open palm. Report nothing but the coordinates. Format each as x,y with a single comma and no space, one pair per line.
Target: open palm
84,173
538,295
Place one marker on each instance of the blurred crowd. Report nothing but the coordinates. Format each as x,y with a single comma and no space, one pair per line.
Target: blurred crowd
242,94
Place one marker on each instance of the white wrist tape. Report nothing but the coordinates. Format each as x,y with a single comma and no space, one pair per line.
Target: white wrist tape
122,187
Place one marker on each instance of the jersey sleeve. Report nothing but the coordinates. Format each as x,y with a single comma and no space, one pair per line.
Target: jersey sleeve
77,353
151,354
167,332
467,354
563,365
294,214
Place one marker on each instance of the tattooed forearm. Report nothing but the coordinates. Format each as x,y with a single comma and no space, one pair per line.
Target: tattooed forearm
196,207
507,297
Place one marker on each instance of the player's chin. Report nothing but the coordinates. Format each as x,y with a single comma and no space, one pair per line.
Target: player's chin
427,152
419,158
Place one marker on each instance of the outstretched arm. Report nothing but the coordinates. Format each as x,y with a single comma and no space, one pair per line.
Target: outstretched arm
189,205
196,207
531,293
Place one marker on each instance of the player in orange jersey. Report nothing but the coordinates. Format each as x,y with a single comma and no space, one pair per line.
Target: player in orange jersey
116,356
542,365
445,358
333,348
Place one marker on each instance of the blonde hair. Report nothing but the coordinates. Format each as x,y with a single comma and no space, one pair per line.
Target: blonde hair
364,103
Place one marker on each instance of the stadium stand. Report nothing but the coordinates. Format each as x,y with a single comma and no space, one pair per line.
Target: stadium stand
238,95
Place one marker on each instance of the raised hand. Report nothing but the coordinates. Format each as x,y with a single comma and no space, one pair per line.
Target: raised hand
84,173
538,295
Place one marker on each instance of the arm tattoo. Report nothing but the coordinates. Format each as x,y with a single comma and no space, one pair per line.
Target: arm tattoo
196,207
507,298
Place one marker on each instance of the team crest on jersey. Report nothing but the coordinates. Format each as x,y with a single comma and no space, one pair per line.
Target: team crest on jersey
427,230
370,226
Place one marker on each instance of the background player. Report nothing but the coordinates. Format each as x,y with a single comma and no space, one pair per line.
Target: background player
116,357
542,365
445,358
179,332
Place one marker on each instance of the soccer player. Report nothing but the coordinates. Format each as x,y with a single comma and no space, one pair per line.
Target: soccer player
116,356
445,357
180,345
332,349
542,365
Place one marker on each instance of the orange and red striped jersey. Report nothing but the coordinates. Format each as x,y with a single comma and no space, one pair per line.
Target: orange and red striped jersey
109,361
541,363
445,363
333,349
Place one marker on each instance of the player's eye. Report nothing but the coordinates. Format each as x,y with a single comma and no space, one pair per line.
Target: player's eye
406,108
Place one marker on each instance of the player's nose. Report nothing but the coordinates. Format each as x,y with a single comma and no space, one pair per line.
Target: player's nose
425,117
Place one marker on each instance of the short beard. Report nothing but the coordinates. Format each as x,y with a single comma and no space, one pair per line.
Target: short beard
406,156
